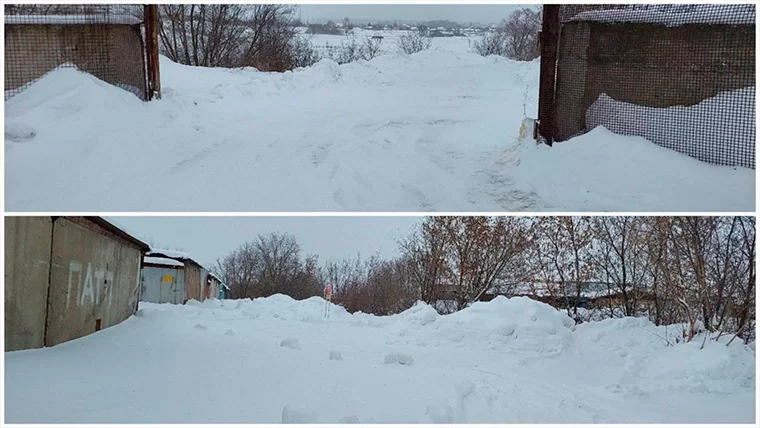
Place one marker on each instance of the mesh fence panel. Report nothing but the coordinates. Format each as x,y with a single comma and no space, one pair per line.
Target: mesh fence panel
105,41
682,76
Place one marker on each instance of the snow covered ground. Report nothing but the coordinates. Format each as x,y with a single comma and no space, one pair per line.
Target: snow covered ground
435,131
278,360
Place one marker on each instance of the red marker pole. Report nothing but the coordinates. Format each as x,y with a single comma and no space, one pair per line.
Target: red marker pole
328,298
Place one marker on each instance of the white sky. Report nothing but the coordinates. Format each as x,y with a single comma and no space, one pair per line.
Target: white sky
464,13
208,238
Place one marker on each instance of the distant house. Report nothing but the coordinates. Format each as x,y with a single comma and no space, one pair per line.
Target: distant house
377,37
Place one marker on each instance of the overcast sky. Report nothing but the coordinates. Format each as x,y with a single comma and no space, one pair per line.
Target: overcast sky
209,238
485,14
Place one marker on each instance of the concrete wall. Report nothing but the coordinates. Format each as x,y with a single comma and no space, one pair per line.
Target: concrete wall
192,281
214,287
93,277
156,289
110,52
27,266
64,278
648,65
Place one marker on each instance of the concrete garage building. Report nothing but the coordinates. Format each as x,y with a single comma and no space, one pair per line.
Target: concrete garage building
67,277
163,280
171,276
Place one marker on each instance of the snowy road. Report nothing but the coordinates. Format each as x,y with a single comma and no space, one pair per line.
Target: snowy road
435,131
277,360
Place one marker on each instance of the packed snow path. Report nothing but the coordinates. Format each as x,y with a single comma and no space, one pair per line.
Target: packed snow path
277,360
435,131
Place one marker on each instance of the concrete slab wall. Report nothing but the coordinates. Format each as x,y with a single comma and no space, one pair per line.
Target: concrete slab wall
111,52
27,267
95,281
193,282
648,65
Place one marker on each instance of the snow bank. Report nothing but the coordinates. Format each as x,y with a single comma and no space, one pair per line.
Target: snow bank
433,131
658,360
598,372
162,261
604,171
706,131
169,253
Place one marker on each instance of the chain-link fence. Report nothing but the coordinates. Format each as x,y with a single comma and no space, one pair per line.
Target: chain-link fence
106,41
682,76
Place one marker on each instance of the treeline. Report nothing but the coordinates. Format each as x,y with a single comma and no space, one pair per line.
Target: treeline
694,270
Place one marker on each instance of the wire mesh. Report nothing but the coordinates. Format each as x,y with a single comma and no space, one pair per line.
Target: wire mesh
682,76
105,41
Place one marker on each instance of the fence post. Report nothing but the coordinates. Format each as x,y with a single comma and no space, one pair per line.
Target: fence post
150,17
549,41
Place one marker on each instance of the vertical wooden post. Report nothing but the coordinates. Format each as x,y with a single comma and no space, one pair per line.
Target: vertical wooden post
549,42
150,17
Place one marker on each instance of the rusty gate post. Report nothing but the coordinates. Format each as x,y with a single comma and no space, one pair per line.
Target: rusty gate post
150,17
549,42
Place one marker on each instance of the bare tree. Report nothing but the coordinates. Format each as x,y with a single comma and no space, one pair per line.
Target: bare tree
280,262
232,35
564,245
622,257
424,253
515,38
480,249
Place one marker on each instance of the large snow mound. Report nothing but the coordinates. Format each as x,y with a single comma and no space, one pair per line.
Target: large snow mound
281,360
425,132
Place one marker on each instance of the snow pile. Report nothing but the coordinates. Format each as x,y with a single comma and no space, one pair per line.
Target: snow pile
434,131
603,171
706,131
162,261
267,358
657,359
518,324
175,254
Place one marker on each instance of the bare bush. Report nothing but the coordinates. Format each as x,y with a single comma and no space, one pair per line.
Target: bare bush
351,50
302,53
413,42
371,48
515,38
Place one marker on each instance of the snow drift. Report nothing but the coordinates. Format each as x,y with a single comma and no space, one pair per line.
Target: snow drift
279,360
706,131
434,131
